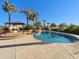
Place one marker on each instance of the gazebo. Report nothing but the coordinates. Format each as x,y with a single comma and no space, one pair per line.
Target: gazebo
15,23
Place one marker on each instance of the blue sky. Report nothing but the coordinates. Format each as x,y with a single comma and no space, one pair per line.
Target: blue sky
57,11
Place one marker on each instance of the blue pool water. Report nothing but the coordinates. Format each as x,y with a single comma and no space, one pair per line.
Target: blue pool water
51,37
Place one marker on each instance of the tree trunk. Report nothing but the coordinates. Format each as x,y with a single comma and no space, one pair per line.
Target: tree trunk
27,22
44,24
33,24
9,18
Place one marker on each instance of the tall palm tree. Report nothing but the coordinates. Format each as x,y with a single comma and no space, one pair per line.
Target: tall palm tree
30,15
44,21
48,24
34,17
9,8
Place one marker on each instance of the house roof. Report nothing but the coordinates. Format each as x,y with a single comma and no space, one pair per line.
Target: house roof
15,23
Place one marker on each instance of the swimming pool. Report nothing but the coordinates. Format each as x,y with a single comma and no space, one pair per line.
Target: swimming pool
52,37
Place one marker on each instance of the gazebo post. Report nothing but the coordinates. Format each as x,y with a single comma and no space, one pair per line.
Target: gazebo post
5,28
23,28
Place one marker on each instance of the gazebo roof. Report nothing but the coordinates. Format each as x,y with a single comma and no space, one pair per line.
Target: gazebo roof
15,23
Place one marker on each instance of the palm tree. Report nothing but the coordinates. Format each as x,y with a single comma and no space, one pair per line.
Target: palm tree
38,25
44,23
34,17
9,8
30,15
48,23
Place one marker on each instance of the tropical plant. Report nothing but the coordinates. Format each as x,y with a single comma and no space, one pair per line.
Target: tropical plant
48,25
38,25
62,27
44,23
34,17
9,8
30,15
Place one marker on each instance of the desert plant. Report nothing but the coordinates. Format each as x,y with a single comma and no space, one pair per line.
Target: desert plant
28,27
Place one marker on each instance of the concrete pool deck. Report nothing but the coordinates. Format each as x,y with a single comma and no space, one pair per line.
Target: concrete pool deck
31,48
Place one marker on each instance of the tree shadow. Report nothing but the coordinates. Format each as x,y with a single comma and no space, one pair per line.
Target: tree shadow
6,37
23,44
1,39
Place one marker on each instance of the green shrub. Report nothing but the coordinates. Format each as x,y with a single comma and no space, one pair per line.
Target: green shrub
2,27
74,29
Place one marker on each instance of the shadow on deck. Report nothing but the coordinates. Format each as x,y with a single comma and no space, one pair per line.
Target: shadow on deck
23,44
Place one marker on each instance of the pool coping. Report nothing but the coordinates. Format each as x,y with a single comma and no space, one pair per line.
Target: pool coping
68,34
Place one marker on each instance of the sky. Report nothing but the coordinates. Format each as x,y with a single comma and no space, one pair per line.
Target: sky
53,11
